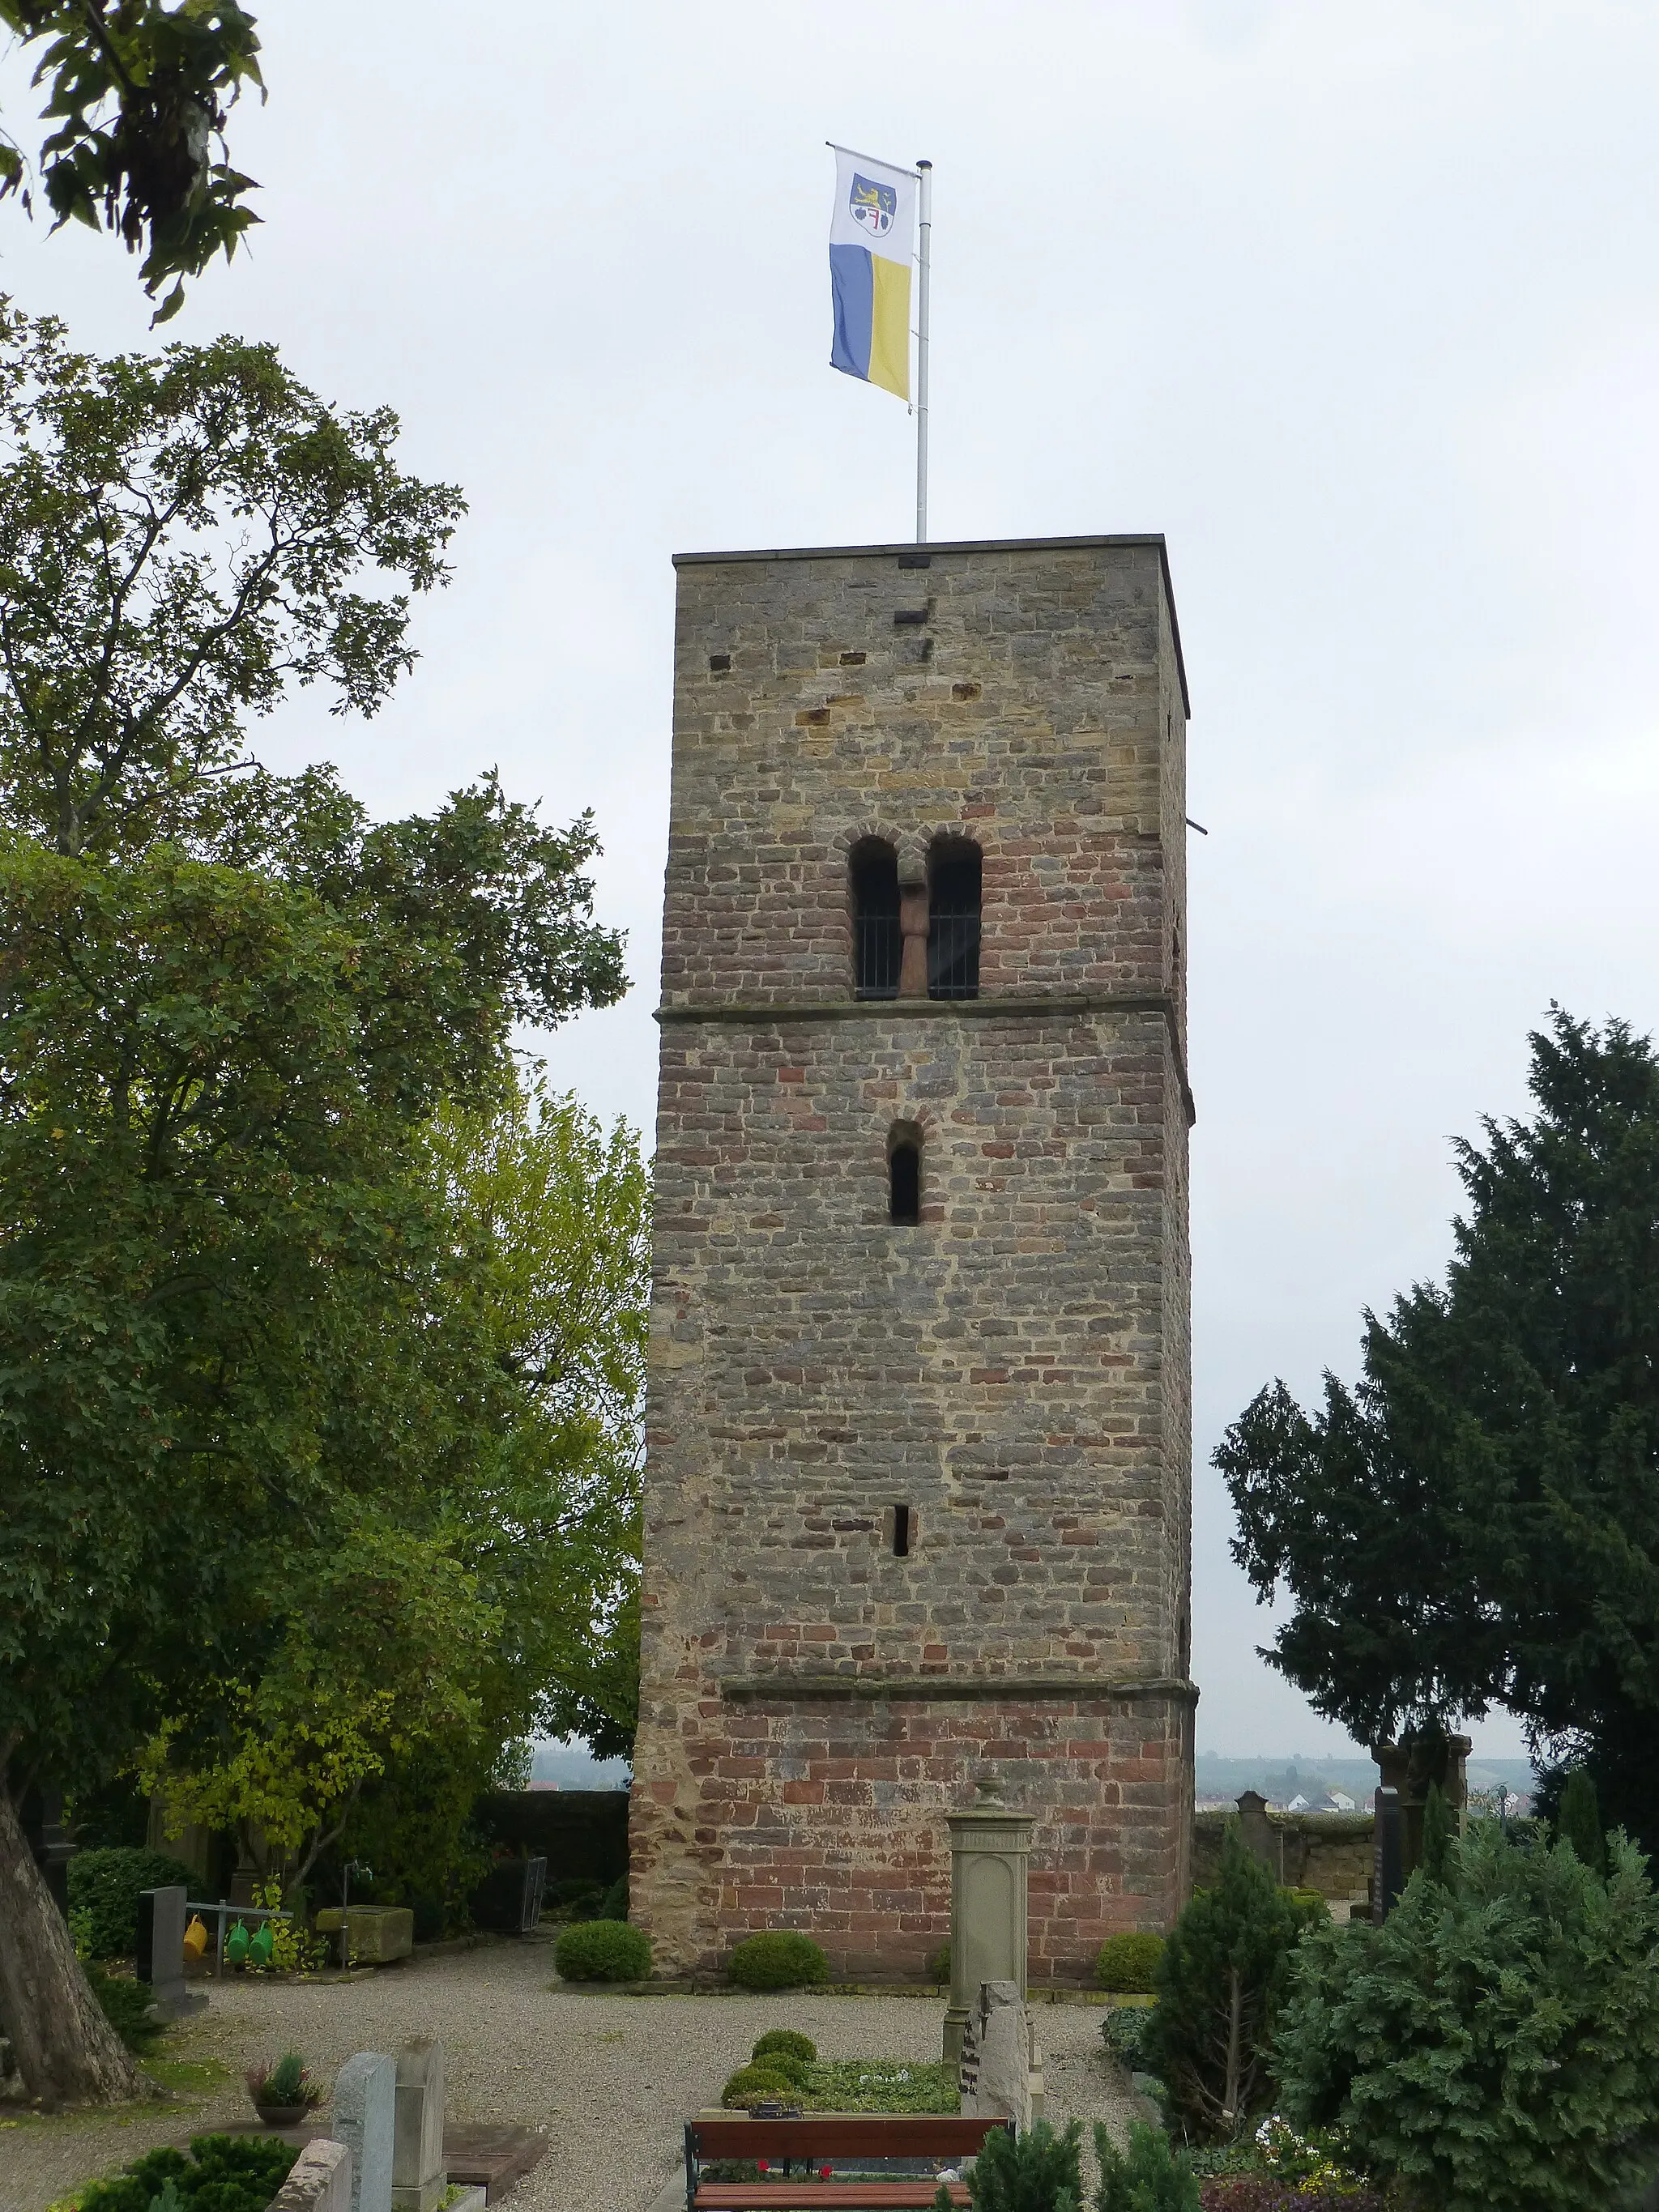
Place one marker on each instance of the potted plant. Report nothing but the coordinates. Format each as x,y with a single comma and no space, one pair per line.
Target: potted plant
284,2093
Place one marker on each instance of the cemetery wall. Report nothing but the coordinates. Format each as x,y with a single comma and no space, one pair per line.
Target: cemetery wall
581,1833
1014,1370
1330,1852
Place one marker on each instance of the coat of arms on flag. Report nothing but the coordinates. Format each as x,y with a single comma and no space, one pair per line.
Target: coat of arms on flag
871,206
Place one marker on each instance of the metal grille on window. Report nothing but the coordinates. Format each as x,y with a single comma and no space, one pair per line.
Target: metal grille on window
877,945
953,922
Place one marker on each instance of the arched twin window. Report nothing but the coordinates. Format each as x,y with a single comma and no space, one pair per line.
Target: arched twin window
948,909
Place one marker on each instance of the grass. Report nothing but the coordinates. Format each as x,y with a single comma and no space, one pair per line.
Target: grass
188,2077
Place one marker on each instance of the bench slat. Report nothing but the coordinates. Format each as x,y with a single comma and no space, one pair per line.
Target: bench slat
842,2196
843,2135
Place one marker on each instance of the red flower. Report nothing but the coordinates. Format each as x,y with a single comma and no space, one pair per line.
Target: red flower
762,2166
824,2173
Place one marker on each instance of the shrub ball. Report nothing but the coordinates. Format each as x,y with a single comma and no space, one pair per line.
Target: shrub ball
1127,1964
757,2085
604,1951
781,1960
789,2041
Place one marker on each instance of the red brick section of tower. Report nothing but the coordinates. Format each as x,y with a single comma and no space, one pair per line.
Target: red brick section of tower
918,1473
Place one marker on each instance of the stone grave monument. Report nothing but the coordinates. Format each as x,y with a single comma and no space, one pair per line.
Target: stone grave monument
420,2180
161,1960
1000,2075
364,2120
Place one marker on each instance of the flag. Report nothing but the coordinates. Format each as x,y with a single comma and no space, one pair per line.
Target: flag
869,240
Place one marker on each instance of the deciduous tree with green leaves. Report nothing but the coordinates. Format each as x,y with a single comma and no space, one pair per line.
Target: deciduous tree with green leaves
137,98
247,1379
1476,1522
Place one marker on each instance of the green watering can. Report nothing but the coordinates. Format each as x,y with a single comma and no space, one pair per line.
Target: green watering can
236,1946
260,1945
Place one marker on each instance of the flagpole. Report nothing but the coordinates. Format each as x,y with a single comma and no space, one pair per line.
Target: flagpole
925,228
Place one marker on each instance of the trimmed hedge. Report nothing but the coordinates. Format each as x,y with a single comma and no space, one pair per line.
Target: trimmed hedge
779,1961
603,1951
104,1887
222,2173
1128,1963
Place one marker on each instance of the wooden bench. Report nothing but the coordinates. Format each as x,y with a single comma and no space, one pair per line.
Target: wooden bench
816,2140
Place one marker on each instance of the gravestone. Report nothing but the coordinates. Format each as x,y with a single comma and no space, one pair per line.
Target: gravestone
365,2121
319,2179
419,2179
1389,1876
1260,1838
999,2076
161,1960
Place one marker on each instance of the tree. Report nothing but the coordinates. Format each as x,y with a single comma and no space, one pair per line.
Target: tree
423,1651
1477,1521
1578,1821
1218,1984
242,1374
139,94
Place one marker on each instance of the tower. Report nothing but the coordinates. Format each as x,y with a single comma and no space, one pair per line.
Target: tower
918,1479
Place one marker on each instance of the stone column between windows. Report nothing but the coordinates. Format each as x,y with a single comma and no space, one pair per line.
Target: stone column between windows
913,929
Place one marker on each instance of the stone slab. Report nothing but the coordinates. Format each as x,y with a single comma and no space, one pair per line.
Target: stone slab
493,2154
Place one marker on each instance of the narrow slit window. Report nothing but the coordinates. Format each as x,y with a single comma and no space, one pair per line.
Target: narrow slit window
900,1532
953,920
877,944
904,1184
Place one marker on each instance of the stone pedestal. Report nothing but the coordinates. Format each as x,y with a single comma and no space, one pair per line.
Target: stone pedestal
1408,1769
420,2180
990,1851
364,2120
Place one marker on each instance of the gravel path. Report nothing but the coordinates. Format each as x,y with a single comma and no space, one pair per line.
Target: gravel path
609,2078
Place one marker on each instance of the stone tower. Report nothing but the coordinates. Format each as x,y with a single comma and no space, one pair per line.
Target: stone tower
918,1489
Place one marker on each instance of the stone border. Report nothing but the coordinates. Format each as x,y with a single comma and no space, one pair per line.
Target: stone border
763,1013
753,1689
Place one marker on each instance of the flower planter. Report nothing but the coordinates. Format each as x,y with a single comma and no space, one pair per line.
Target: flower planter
282,2116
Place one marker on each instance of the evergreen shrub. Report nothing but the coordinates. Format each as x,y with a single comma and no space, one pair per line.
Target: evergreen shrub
1127,1963
1494,2044
779,1961
939,1965
603,1951
786,2040
614,1905
1219,1982
104,1887
222,2173
1148,2177
1037,2171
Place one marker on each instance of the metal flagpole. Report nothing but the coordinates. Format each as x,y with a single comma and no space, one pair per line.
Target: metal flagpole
924,227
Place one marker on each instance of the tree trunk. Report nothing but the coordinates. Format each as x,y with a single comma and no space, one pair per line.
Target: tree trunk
64,2048
1230,2094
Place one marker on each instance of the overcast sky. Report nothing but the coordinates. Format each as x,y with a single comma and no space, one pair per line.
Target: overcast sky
1359,307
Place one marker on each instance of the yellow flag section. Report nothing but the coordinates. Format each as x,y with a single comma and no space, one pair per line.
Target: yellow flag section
871,235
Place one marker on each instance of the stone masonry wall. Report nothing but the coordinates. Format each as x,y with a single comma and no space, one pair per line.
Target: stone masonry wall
1014,1368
